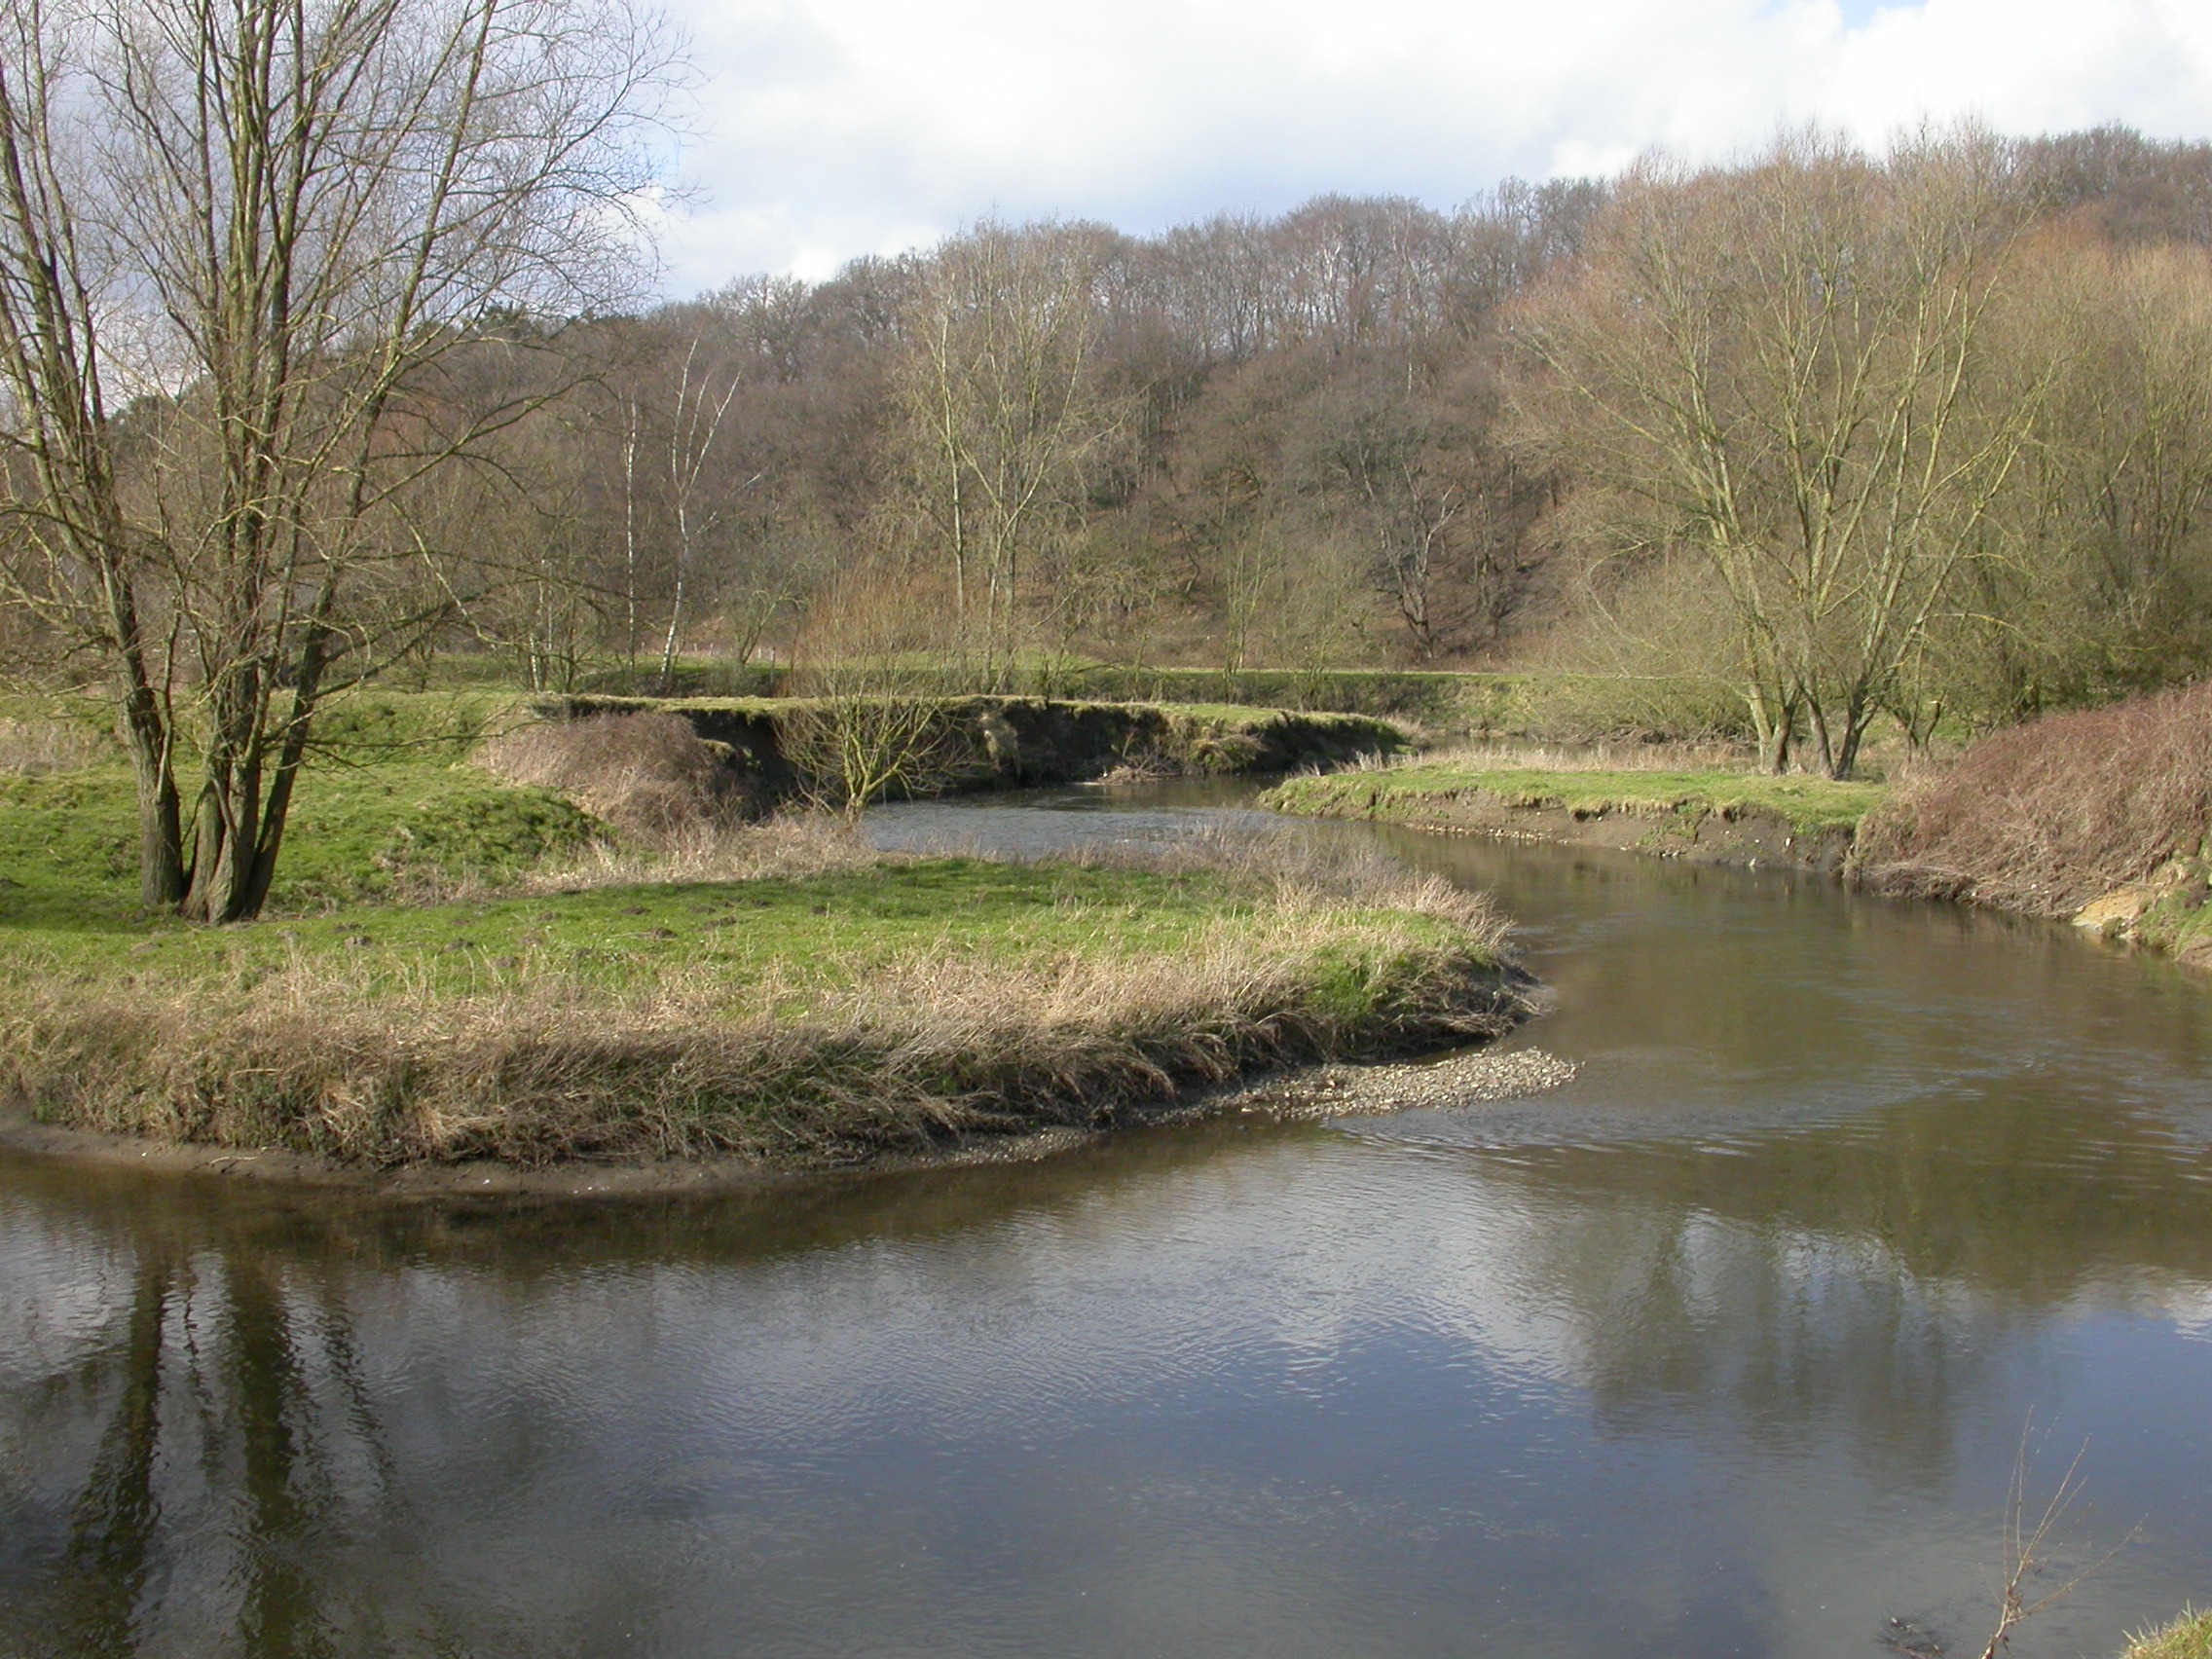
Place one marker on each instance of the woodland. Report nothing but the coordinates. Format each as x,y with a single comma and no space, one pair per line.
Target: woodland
322,358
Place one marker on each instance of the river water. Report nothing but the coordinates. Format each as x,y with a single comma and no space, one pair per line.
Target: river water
1729,1346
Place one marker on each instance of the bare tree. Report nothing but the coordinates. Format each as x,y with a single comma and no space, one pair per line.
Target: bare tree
1004,419
272,226
1780,369
694,422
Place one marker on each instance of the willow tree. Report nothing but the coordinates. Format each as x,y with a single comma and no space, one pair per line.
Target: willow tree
1782,373
1004,424
243,243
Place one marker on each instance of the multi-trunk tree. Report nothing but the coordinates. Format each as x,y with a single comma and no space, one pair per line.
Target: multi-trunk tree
243,244
1782,373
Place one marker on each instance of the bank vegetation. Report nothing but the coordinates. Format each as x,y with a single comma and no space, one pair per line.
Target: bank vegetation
2103,816
870,1008
1824,451
574,941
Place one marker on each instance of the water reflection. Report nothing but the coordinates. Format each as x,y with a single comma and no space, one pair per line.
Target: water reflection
1725,1350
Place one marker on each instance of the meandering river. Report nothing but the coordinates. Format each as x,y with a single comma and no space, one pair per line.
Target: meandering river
1726,1348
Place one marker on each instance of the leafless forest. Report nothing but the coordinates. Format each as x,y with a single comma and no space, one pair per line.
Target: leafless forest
307,373
1815,441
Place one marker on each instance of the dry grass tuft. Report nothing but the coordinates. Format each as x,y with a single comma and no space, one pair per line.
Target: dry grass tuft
790,846
649,776
1302,872
1571,757
31,749
2190,1636
2048,816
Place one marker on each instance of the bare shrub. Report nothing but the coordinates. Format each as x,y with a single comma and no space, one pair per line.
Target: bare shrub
2048,816
649,776
867,715
31,749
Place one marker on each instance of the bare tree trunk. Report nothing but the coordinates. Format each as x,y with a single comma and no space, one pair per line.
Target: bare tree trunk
630,533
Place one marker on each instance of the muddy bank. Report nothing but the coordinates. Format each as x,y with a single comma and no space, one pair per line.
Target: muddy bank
1314,1093
1023,742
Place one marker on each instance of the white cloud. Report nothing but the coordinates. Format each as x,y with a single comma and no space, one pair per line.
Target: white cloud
837,128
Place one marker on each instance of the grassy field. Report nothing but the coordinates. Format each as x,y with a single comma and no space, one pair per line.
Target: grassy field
452,967
829,930
1807,806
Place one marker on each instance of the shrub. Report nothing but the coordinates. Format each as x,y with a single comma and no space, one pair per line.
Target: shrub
2048,816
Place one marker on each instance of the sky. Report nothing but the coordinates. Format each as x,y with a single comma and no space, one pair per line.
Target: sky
824,130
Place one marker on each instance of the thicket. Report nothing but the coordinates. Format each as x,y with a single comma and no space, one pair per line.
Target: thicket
2046,816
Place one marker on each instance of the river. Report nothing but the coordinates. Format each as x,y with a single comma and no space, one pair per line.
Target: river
1727,1348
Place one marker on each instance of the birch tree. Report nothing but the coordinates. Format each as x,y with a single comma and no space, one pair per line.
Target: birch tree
1004,422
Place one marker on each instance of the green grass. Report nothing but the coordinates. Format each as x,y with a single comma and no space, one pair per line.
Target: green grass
1808,805
824,930
385,804
2189,1636
70,848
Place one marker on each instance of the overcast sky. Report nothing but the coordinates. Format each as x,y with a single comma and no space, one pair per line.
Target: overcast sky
835,127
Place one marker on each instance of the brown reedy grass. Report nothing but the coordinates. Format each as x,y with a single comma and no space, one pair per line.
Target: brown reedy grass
2048,816
1570,757
818,1064
649,776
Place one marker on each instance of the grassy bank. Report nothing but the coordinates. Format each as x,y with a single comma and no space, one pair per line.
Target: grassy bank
2189,1636
1681,811
457,968
806,1018
1540,706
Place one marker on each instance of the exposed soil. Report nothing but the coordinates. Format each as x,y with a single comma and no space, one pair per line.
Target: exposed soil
1748,840
1023,742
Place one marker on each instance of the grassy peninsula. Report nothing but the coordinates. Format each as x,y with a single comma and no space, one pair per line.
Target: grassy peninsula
456,966
1675,809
